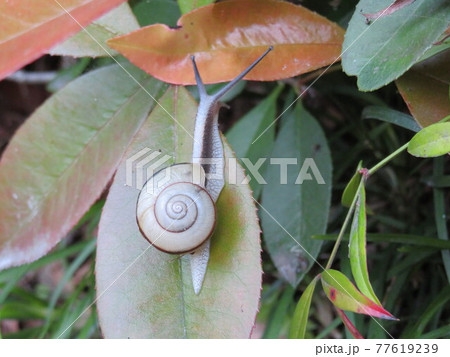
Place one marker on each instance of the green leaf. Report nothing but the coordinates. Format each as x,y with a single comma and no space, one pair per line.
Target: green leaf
157,12
351,189
383,50
425,89
248,129
432,141
391,116
301,313
357,247
151,293
91,41
60,160
294,205
189,5
250,126
344,295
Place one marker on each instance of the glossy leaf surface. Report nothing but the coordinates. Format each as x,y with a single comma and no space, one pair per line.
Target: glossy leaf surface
144,293
380,52
344,295
296,199
228,36
425,89
60,160
431,141
29,28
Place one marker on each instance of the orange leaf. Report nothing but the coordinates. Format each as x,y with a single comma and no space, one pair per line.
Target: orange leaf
28,28
228,36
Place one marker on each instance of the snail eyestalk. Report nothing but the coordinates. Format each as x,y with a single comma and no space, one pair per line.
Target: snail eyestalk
216,96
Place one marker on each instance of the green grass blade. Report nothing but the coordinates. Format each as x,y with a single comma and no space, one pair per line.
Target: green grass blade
327,330
300,319
74,266
410,260
280,312
441,332
416,330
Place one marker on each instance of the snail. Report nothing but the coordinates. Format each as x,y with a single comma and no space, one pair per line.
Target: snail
179,216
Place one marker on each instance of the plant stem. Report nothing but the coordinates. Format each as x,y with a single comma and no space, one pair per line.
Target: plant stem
352,207
344,227
387,159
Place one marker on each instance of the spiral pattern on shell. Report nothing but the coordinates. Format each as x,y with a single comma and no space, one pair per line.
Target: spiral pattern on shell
179,216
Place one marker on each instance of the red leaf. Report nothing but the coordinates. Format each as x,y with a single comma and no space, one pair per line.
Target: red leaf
344,295
29,28
60,160
226,37
352,329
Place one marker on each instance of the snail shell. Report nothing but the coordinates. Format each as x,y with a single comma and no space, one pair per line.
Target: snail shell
175,213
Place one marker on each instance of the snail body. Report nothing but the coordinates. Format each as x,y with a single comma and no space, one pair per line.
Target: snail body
179,215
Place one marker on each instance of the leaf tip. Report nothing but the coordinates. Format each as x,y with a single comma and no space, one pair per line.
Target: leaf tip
380,312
